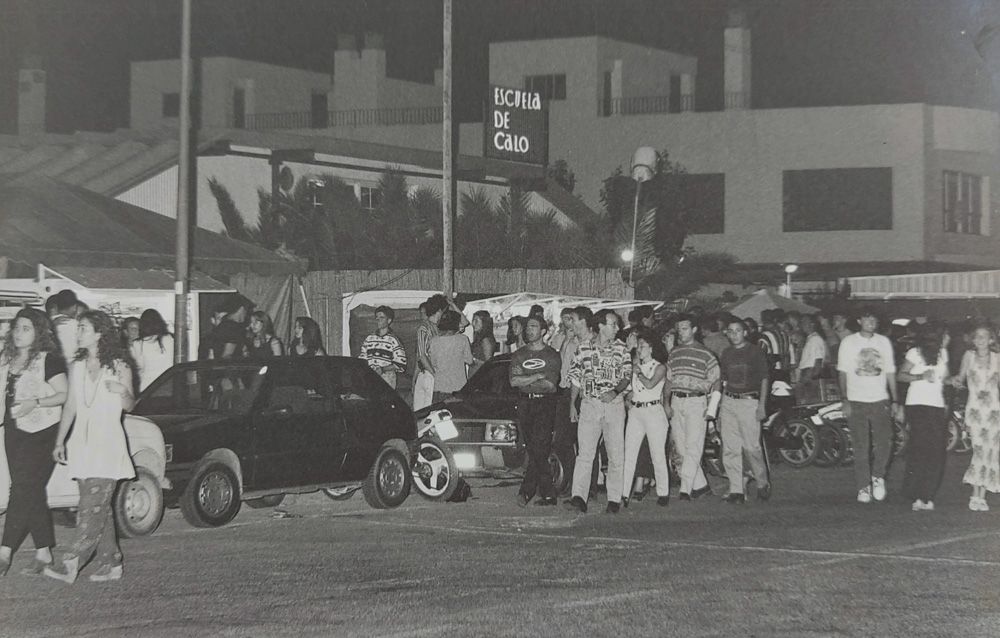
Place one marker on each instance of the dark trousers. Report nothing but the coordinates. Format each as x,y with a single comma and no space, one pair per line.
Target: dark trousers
564,439
871,435
538,417
29,459
925,451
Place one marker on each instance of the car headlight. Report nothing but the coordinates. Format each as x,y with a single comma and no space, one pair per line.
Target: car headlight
465,460
503,432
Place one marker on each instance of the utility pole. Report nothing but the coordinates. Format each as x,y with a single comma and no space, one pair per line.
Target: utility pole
182,275
449,191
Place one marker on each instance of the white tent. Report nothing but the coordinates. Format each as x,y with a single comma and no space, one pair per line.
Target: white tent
753,304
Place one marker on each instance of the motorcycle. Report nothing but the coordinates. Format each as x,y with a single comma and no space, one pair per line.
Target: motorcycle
836,447
432,465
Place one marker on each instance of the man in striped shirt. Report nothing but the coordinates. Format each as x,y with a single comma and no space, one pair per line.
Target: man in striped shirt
692,375
382,350
600,374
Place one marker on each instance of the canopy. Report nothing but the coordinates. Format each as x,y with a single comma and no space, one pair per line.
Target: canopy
753,304
981,284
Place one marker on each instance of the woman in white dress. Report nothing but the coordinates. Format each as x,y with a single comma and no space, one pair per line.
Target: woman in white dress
153,351
97,452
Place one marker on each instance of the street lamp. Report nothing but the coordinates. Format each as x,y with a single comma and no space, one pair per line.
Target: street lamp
643,168
789,270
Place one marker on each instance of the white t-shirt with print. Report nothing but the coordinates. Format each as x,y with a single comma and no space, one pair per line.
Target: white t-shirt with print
927,392
865,362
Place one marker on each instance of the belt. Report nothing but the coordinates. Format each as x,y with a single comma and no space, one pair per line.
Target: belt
681,394
743,395
535,395
645,404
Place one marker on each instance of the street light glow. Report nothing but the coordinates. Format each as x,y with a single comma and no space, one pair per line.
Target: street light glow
627,255
791,268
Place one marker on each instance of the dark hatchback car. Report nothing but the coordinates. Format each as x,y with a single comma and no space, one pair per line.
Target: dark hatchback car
237,431
490,443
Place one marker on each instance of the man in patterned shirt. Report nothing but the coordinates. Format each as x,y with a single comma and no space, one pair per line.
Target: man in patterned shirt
692,375
382,350
600,374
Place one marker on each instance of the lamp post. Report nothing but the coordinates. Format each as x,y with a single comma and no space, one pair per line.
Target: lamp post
643,167
790,269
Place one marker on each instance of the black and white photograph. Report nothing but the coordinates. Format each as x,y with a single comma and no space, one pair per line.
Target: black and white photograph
405,318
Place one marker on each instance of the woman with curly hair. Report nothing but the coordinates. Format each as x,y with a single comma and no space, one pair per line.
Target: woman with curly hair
33,376
97,451
307,342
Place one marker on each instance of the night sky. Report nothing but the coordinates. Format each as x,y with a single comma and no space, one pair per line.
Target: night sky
806,52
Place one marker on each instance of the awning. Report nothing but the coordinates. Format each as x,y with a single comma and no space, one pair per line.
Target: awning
981,284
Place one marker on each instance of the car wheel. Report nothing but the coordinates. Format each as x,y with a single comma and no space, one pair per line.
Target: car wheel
212,498
341,493
264,502
831,445
805,453
139,505
434,473
388,482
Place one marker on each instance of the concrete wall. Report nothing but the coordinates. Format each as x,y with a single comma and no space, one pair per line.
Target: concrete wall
645,71
269,89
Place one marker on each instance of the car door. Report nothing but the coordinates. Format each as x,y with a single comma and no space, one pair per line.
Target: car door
297,428
372,413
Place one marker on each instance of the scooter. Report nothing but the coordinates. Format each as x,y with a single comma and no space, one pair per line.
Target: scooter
836,447
432,465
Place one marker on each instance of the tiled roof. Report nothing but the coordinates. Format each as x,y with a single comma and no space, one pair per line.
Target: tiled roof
45,221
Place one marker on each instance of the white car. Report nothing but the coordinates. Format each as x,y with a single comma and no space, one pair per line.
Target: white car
138,503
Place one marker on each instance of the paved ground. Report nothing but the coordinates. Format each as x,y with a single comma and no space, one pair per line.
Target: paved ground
809,563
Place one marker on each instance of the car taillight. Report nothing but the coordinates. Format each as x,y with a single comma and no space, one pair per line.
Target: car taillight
501,432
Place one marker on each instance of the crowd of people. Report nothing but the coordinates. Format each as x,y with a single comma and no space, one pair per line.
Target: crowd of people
648,391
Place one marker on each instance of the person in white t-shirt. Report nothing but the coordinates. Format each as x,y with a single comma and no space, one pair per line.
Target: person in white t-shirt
814,352
867,373
925,369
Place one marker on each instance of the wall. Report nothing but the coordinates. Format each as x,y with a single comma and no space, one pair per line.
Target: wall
275,89
645,71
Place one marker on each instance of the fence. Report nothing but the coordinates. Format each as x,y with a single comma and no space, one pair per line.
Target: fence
647,104
324,290
356,117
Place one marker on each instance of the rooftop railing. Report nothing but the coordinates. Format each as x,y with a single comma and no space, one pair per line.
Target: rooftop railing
356,117
645,104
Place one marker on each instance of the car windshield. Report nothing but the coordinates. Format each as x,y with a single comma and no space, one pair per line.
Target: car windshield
492,378
193,390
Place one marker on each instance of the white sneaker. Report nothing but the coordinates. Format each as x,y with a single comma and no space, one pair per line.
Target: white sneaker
929,506
983,505
878,489
973,504
865,495
918,506
978,505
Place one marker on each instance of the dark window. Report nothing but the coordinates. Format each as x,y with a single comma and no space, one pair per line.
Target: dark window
492,378
300,386
697,201
171,105
675,94
963,203
209,390
320,110
551,87
239,108
370,198
354,381
606,101
837,199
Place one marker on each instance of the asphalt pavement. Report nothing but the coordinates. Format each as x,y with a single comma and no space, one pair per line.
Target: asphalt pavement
810,562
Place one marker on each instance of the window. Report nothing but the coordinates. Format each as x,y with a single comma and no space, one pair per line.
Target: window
698,201
837,199
963,203
551,87
188,391
300,386
370,197
239,107
171,106
491,378
320,110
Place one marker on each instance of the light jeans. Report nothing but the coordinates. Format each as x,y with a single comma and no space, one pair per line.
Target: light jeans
648,422
689,437
596,419
740,431
423,390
